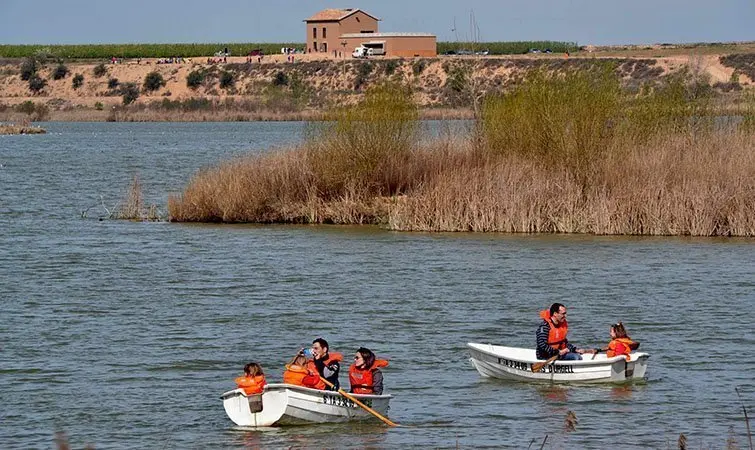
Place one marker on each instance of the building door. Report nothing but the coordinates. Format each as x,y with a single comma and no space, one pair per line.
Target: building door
325,47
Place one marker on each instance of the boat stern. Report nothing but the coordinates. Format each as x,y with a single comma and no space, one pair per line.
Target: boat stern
254,410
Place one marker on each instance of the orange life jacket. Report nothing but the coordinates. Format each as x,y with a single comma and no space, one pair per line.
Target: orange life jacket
557,334
332,357
619,346
251,385
295,374
361,379
300,376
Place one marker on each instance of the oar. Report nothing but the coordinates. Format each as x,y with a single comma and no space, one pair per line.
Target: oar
537,366
355,400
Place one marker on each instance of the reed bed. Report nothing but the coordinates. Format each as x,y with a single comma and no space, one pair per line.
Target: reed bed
574,155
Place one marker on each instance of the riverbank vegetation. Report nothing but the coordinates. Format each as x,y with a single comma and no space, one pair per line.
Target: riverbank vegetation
563,152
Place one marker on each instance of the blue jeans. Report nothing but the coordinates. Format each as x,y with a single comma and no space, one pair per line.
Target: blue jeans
570,357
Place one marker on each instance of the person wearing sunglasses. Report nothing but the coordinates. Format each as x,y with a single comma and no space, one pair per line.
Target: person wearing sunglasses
365,375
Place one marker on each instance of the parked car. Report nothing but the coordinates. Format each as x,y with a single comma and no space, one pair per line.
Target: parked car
256,52
547,50
534,50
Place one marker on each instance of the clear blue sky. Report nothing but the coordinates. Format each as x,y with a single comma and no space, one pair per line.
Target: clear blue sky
582,21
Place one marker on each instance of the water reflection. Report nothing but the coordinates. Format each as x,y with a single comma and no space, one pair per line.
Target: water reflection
356,435
553,393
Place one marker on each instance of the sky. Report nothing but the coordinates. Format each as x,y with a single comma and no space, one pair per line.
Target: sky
596,22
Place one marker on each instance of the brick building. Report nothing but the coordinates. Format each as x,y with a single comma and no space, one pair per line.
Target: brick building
341,30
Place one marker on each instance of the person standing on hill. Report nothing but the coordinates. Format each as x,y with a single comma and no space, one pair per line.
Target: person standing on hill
551,336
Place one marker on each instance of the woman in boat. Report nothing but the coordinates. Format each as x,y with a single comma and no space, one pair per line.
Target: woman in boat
253,380
365,375
297,374
620,343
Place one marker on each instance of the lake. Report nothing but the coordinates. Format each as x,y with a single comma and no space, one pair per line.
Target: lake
124,334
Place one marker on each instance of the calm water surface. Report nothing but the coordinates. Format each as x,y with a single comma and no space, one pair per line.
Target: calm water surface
125,334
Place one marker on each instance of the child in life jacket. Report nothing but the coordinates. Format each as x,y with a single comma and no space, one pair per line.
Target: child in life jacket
253,380
620,343
298,374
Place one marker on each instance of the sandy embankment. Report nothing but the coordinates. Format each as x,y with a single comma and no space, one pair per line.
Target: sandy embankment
67,103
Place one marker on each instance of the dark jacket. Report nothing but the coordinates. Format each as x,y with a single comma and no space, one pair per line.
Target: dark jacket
329,372
545,351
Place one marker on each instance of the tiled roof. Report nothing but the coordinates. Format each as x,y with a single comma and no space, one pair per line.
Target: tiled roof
335,14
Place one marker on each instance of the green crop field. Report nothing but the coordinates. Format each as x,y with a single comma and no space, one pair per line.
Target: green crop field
99,51
106,51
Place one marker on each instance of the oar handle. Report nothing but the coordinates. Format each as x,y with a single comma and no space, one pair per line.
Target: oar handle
355,400
537,366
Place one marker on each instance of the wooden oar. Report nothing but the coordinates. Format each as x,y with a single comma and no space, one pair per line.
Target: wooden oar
366,408
537,366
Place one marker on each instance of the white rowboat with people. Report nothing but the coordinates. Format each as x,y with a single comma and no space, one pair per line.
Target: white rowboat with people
286,404
496,361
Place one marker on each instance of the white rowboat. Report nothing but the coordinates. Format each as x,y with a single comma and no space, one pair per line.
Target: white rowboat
286,404
496,361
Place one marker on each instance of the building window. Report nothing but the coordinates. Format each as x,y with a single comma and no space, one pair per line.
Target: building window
315,46
366,31
324,46
324,33
314,33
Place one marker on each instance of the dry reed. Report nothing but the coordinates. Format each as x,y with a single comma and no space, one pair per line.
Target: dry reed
578,174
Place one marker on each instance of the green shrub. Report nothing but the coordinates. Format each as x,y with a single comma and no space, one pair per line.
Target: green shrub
227,80
418,66
36,84
153,81
78,81
280,79
99,106
356,146
60,72
559,120
36,111
130,92
99,70
195,78
390,66
363,72
28,68
26,107
457,78
112,83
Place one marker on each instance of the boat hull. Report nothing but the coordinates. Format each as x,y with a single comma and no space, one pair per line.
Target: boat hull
285,404
495,361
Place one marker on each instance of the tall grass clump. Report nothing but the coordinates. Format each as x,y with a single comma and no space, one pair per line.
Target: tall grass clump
559,120
365,145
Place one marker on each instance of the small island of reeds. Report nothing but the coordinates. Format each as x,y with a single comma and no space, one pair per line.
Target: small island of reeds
568,151
10,128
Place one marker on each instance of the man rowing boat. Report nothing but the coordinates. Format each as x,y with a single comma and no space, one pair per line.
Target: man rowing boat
551,336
